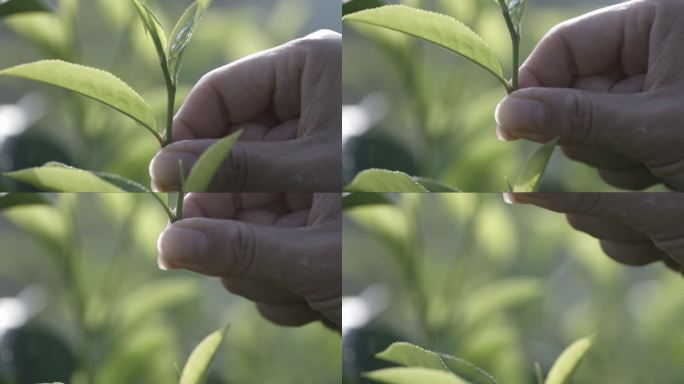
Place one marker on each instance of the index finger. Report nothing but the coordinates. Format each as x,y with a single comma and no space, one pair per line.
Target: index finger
265,88
612,41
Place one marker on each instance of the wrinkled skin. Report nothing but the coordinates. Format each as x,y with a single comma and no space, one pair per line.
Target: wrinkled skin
610,84
282,251
633,228
287,102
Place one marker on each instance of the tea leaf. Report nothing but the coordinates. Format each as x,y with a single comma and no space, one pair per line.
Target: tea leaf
434,185
530,176
153,27
381,180
11,7
516,8
413,376
442,30
352,6
410,355
196,369
468,370
359,199
55,177
9,200
208,164
90,82
122,182
568,361
182,34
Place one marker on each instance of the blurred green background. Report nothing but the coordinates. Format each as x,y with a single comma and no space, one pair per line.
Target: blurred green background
502,287
39,123
82,301
417,108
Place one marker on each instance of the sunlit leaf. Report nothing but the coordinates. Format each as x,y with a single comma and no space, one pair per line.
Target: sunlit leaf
381,180
530,176
196,369
436,28
55,177
209,163
9,200
352,6
182,34
434,185
12,7
153,27
568,361
413,376
94,83
359,199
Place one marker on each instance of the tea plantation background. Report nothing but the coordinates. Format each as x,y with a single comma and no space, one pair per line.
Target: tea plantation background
503,287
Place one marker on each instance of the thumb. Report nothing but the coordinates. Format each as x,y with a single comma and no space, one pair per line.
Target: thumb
577,117
304,260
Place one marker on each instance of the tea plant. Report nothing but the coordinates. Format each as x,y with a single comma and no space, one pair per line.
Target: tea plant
109,90
104,328
419,365
452,35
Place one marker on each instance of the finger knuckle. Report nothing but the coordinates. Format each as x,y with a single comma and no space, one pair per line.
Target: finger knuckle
236,169
244,250
580,117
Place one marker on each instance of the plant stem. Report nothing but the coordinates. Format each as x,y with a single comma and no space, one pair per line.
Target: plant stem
170,106
179,206
165,206
515,40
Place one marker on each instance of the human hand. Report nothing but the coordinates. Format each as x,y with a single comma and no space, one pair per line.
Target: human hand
282,251
633,228
610,84
287,102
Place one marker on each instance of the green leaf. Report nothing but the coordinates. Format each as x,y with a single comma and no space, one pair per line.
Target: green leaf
568,361
468,370
196,369
413,376
381,180
359,199
90,82
123,183
442,30
56,177
153,27
9,200
434,185
208,164
11,7
410,355
530,176
182,34
352,6
498,297
516,8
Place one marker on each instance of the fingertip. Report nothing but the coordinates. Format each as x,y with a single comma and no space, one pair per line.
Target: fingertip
165,169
